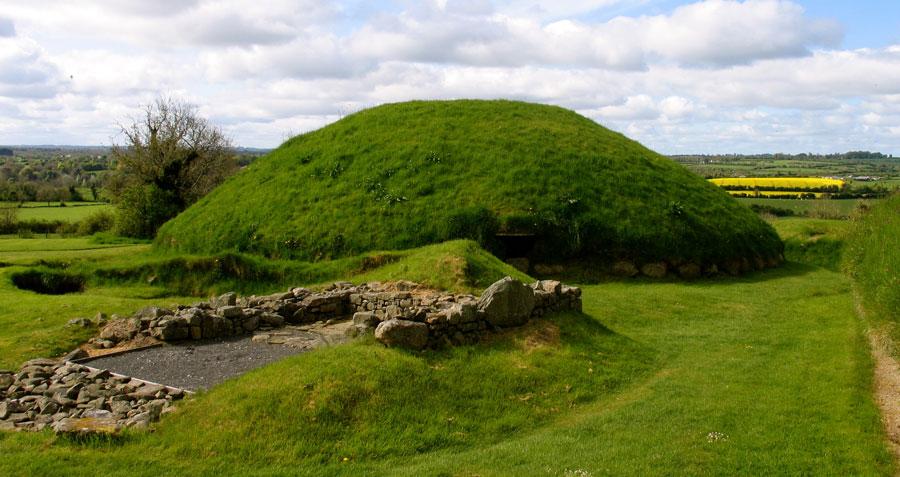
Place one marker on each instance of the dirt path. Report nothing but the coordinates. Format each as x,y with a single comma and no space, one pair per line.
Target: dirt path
887,389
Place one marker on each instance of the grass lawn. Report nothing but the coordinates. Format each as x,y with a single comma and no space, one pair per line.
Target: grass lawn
814,241
33,325
72,212
767,374
835,208
19,251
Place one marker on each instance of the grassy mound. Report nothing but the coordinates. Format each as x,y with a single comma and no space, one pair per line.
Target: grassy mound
457,265
404,175
366,402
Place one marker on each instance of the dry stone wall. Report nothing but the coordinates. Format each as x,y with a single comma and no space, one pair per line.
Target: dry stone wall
443,318
72,398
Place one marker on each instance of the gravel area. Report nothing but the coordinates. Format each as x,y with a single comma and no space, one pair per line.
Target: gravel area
197,364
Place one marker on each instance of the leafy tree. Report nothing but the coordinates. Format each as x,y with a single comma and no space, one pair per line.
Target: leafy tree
170,157
9,217
47,193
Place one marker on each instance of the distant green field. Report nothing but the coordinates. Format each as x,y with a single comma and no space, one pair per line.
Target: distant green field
842,207
72,212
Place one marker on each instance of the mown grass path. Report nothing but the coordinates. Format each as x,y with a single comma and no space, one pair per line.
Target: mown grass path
769,375
764,375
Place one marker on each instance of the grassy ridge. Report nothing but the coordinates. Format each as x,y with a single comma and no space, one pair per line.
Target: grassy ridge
405,175
873,262
814,241
458,265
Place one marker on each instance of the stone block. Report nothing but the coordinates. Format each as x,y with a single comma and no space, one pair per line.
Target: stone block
402,333
508,302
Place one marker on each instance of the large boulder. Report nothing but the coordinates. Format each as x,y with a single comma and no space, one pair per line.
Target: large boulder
402,333
121,330
507,302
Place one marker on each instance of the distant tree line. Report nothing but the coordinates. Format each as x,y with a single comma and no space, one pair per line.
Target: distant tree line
847,192
850,156
51,180
832,189
31,192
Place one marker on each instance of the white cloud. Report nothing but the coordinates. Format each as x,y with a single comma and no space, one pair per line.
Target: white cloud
713,32
172,24
25,72
634,107
709,76
725,32
556,9
675,107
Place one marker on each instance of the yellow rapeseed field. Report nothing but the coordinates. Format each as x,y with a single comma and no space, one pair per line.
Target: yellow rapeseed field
772,193
793,183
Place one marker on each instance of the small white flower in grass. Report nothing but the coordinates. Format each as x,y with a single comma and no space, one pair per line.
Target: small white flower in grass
716,437
572,472
577,472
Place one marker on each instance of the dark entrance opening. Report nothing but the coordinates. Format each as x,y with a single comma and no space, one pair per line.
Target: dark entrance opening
516,245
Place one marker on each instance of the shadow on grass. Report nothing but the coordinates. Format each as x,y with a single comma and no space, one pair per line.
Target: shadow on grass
788,269
572,329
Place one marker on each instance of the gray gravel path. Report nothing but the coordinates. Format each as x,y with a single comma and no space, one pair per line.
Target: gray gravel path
195,365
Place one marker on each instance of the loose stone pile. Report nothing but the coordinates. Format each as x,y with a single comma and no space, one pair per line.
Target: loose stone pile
436,318
74,399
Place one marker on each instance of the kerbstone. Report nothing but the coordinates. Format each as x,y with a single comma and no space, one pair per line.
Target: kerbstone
402,333
508,302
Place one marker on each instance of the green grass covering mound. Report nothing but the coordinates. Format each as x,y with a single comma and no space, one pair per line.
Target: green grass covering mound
365,402
404,175
458,265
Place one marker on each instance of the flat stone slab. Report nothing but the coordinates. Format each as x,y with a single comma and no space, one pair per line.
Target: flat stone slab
85,426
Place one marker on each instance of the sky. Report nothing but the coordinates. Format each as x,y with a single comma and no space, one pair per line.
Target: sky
681,77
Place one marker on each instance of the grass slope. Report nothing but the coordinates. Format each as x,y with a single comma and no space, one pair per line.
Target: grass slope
404,175
764,375
873,262
457,265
